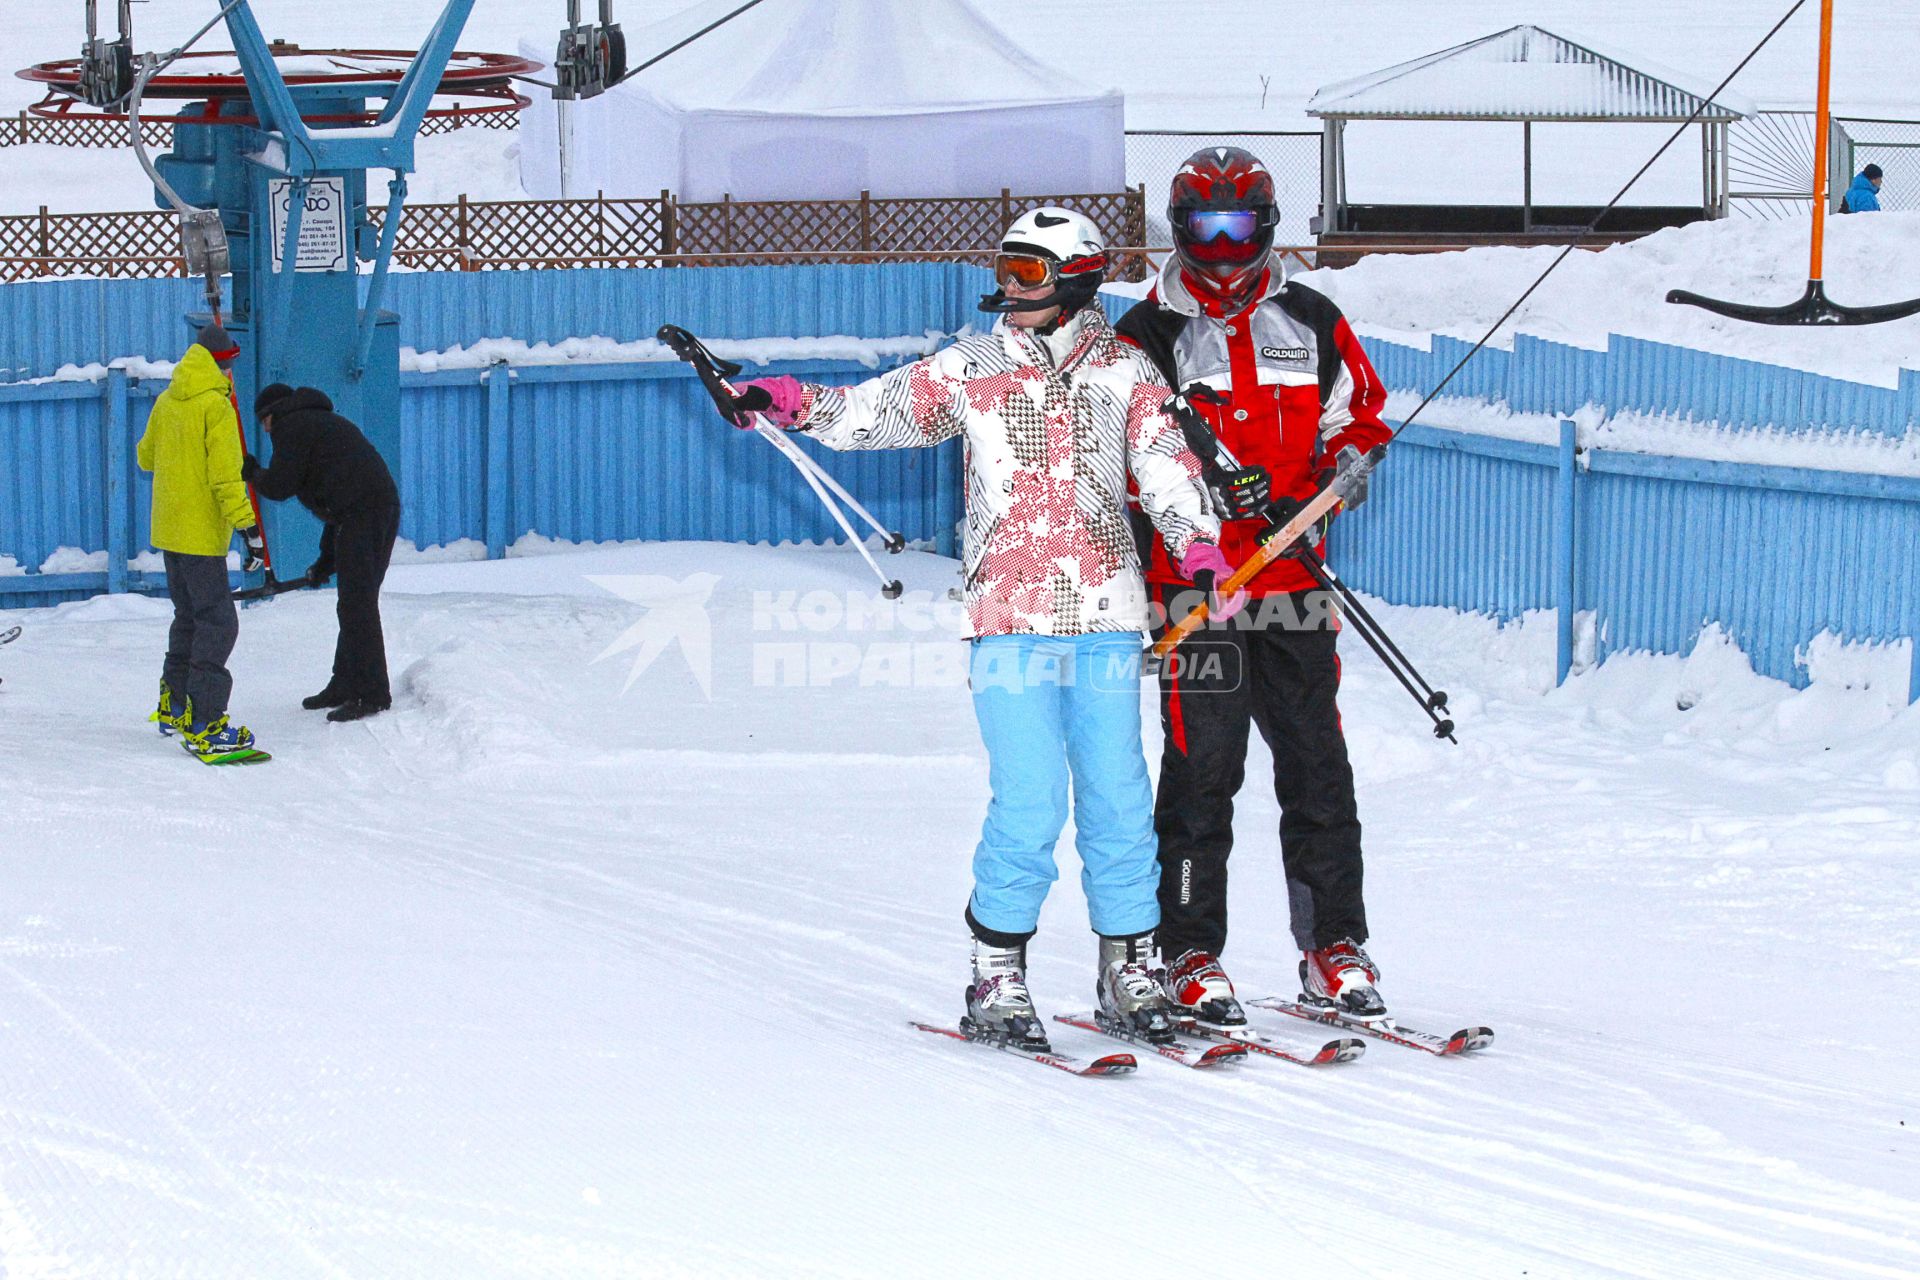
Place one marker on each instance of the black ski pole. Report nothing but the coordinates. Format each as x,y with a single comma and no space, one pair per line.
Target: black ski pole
1432,701
1437,698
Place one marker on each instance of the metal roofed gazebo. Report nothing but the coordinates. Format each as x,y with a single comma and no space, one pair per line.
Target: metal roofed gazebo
1525,75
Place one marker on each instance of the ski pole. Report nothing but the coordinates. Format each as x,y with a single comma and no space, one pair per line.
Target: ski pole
1346,481
1431,700
713,373
895,541
813,475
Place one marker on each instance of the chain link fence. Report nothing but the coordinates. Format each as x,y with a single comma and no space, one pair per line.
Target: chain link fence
1770,162
1894,145
1153,156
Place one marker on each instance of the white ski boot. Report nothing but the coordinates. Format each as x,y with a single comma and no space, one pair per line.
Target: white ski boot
1127,990
998,1005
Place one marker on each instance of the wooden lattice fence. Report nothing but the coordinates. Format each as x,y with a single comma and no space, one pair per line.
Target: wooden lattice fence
92,131
654,231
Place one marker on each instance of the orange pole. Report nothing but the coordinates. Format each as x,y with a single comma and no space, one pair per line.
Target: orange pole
1821,128
1275,547
233,398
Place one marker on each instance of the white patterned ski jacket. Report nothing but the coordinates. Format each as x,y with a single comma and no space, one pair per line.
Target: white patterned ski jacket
1047,548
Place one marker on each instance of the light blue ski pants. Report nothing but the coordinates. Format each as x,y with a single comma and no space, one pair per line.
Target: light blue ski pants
1054,710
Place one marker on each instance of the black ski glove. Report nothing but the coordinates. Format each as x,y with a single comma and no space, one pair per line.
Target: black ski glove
1242,494
249,467
319,571
1281,510
256,549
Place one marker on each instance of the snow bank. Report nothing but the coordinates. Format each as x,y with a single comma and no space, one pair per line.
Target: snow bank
74,560
1669,435
1622,290
598,350
461,549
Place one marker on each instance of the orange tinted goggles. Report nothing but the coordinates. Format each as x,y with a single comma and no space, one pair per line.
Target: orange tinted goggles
1023,269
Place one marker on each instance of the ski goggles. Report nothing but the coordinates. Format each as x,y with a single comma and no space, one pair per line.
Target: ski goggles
1024,269
1238,225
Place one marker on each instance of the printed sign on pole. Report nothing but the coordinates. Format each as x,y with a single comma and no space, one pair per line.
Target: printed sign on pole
323,224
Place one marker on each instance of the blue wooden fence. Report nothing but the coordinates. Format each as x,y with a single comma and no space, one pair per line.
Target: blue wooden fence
1654,547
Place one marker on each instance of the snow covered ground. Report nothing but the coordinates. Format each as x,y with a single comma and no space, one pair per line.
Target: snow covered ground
546,975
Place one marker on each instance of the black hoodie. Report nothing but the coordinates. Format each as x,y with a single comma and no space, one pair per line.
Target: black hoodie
322,459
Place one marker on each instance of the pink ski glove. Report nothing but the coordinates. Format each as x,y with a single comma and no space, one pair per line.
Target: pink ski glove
1204,564
777,399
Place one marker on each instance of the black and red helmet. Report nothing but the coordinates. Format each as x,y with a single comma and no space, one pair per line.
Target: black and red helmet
1223,217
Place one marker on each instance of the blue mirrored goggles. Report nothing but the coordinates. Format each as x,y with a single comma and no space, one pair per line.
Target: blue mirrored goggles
1235,224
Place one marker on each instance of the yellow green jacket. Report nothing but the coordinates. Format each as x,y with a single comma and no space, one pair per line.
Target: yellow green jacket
192,446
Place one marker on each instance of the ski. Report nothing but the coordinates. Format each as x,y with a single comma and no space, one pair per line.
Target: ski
1184,1052
1465,1040
1345,1049
249,756
1113,1064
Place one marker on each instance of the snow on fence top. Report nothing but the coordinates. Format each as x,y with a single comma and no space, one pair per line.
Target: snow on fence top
1525,73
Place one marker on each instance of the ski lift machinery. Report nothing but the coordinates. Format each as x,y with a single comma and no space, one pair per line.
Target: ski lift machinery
592,56
269,176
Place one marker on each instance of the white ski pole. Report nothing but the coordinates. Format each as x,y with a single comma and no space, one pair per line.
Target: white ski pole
894,541
813,474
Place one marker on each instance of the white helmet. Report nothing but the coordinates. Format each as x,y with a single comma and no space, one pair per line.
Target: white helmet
1072,251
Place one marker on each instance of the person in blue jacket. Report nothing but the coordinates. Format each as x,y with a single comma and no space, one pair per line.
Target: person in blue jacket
1864,195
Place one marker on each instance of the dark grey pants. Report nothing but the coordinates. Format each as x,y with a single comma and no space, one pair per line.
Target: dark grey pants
362,548
205,627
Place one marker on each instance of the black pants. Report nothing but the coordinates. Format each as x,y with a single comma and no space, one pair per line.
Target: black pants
205,627
1280,674
362,548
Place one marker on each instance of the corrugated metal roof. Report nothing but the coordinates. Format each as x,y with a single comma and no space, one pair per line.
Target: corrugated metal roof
1525,73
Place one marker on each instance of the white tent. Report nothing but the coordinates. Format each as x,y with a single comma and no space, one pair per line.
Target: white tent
824,99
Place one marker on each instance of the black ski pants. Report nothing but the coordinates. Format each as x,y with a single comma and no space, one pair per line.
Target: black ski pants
1279,673
362,549
205,628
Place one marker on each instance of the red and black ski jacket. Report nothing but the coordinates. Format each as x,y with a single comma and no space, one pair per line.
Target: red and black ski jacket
1298,386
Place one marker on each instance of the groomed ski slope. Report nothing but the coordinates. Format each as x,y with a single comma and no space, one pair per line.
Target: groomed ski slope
537,977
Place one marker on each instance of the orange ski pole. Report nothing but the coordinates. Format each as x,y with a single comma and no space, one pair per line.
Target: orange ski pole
1274,547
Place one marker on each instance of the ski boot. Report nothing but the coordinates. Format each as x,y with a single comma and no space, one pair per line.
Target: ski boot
218,741
1198,988
1342,978
999,1009
1127,991
164,715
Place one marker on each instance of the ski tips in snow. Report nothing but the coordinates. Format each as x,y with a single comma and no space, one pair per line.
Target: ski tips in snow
1344,1049
1466,1040
1187,1053
1113,1064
